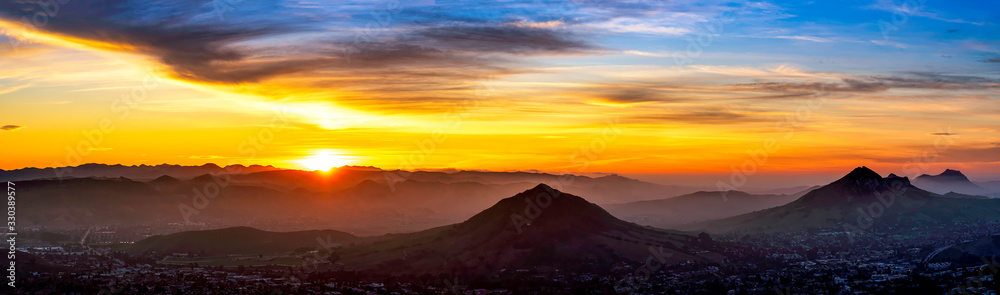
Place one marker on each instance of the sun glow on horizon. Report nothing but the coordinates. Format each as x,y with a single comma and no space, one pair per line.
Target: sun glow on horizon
326,159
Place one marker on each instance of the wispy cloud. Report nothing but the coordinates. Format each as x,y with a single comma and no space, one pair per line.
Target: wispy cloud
394,65
907,9
10,89
872,83
630,25
539,25
889,43
11,127
704,117
805,38
632,95
643,53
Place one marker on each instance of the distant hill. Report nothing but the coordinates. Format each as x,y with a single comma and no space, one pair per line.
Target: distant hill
605,189
861,200
237,240
356,199
80,202
165,179
568,231
696,207
165,183
131,172
949,181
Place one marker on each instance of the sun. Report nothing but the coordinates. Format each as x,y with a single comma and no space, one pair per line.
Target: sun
325,160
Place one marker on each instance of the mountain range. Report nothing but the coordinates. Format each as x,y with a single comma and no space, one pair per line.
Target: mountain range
364,201
859,202
539,227
139,172
544,227
360,200
950,181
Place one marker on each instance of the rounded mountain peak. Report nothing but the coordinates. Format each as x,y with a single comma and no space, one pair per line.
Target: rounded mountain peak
949,172
862,173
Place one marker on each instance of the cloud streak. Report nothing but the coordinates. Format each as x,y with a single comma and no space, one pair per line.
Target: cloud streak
703,117
872,83
415,56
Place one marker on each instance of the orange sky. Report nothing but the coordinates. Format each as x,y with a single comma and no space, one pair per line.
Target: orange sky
560,112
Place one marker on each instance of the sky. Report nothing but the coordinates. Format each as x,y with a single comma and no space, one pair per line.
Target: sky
680,88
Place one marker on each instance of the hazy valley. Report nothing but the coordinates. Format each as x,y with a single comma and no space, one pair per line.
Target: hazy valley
493,227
